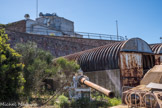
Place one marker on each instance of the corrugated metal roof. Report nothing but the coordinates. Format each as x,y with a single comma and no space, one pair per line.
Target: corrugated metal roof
156,48
107,56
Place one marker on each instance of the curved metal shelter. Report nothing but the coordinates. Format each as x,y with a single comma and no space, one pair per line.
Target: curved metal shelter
107,57
156,48
116,65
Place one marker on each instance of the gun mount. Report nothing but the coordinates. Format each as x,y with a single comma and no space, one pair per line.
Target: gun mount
81,88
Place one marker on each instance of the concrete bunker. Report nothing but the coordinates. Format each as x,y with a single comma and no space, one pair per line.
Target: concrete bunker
116,65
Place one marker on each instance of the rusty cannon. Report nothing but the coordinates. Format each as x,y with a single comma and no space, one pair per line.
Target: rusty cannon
107,92
81,88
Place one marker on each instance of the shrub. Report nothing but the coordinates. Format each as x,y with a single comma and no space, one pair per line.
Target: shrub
114,101
63,101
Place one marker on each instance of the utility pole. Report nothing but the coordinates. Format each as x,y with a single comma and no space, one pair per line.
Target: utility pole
117,29
36,8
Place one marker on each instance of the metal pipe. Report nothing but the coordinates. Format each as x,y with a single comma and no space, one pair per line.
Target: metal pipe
97,87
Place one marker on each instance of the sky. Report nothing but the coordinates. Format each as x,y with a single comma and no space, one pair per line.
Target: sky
136,18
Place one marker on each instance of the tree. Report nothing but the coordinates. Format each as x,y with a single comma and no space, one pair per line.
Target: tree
65,71
38,66
11,78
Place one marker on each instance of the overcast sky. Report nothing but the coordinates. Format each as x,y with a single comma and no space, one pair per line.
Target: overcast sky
136,18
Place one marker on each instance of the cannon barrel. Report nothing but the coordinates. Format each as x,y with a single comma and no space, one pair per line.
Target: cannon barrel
97,87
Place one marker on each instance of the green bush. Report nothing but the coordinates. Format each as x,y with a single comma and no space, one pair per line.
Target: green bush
63,101
109,101
114,101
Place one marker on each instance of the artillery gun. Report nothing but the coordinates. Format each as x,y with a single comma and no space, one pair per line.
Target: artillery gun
81,88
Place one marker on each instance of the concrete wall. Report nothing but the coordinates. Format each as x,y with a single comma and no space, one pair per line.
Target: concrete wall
109,79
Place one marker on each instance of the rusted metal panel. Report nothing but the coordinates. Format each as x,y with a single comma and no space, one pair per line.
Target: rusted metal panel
131,66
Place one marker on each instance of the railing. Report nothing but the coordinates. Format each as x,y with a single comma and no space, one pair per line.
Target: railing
53,32
101,36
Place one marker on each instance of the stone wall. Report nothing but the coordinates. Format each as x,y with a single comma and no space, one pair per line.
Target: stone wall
89,42
19,26
58,46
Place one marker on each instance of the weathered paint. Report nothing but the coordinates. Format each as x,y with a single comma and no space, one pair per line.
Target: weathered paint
131,67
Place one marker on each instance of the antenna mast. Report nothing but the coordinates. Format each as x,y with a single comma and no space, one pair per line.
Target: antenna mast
36,8
117,29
